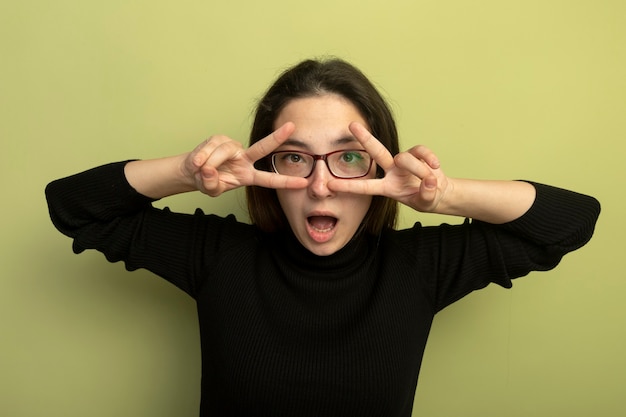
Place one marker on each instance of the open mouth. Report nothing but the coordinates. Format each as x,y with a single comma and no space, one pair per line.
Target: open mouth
322,224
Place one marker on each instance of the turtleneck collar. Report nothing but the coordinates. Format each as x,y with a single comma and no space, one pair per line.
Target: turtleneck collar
353,255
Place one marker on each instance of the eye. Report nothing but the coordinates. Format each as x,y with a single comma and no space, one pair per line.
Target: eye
297,164
291,158
294,157
351,157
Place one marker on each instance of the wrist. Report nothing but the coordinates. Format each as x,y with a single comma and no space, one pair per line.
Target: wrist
446,203
158,178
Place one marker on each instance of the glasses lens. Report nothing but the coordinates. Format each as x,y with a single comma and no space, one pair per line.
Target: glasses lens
342,164
295,164
350,163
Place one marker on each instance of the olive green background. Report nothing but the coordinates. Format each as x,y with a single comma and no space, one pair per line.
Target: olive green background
531,89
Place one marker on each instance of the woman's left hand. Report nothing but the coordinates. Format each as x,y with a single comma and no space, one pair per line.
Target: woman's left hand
413,177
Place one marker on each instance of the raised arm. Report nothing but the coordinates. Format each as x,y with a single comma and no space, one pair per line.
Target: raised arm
215,166
494,202
415,178
109,208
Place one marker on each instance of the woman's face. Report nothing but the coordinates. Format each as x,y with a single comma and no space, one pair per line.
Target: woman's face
322,220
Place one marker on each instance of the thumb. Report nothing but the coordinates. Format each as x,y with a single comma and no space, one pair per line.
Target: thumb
428,189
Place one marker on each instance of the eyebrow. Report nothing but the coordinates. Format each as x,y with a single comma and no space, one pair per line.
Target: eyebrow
301,144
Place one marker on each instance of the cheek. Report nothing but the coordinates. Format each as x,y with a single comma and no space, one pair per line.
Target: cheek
360,205
281,198
288,201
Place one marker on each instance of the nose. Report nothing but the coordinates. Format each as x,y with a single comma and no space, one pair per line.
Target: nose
318,181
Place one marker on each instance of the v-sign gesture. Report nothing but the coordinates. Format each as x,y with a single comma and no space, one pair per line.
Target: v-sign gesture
413,178
217,165
220,164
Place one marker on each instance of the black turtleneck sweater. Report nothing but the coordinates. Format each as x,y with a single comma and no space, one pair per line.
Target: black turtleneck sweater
287,333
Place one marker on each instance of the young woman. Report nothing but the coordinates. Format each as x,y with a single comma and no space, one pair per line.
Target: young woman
319,307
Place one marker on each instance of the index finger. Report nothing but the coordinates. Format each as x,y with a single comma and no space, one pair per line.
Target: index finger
377,150
277,181
269,143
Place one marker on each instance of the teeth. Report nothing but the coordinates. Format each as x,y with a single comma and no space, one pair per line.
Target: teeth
322,224
322,230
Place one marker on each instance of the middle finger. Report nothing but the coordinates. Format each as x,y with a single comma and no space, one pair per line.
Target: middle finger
269,143
377,150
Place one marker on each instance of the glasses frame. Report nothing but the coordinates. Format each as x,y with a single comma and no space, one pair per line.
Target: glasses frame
324,158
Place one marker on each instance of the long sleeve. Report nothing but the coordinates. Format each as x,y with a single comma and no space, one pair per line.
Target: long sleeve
99,210
458,259
98,194
280,324
561,220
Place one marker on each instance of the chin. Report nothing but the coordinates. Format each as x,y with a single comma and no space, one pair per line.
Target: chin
322,249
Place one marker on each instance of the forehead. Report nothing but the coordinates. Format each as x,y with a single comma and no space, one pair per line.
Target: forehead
320,120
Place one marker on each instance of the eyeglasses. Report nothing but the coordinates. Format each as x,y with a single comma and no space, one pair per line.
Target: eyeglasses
347,163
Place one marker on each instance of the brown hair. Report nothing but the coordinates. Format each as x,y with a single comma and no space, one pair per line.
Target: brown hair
311,78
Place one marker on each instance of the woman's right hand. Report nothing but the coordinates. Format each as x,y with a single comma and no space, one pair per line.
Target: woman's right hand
220,164
217,165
